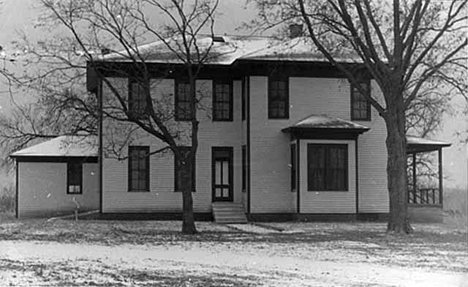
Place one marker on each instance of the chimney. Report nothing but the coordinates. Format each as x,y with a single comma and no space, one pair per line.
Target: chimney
105,51
295,30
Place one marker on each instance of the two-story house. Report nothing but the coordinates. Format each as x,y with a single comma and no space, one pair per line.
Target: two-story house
282,134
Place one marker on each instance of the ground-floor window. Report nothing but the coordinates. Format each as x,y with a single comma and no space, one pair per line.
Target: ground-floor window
293,167
138,168
327,167
184,175
74,176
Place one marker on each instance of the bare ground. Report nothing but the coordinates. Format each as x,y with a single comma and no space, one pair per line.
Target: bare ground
154,253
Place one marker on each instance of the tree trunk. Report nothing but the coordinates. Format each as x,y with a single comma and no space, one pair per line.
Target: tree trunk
396,168
188,220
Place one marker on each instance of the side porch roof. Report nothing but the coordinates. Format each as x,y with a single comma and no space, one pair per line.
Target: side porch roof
62,146
416,144
324,126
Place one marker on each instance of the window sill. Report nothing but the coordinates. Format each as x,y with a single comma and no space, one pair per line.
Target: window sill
226,120
362,120
138,190
327,191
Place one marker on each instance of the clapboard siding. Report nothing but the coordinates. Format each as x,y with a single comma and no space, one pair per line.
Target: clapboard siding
270,146
270,149
269,162
161,197
372,153
328,201
42,188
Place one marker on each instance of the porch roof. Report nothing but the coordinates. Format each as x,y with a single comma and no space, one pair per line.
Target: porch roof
62,146
323,122
416,144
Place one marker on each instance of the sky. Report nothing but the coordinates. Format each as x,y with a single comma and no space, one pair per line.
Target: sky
20,16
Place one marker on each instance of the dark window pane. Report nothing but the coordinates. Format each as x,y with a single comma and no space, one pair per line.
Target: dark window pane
293,167
327,167
74,176
360,106
222,101
138,168
137,99
182,109
184,174
278,98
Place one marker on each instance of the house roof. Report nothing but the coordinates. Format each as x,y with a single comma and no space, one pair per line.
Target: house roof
417,144
228,49
62,146
324,122
297,49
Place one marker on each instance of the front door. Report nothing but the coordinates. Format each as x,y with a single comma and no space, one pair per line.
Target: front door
222,173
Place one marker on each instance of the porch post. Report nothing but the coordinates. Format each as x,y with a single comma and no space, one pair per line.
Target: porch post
298,175
414,178
440,178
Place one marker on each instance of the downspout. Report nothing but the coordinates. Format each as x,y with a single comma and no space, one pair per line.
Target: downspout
100,149
17,190
441,194
356,155
247,83
298,175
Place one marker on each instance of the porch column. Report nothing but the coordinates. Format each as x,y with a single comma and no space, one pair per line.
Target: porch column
440,178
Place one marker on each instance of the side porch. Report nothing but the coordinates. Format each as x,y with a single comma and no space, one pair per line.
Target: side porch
425,179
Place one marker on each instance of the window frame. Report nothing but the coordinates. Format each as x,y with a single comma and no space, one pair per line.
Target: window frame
244,168
326,169
243,98
227,82
177,112
176,171
271,99
138,114
293,162
356,93
74,163
147,168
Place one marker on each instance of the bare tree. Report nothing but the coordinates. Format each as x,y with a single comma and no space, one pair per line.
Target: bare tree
102,39
404,46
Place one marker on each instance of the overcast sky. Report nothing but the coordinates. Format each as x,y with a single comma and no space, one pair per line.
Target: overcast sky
20,16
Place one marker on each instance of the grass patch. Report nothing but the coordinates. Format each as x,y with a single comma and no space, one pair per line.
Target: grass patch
434,246
7,199
456,207
95,273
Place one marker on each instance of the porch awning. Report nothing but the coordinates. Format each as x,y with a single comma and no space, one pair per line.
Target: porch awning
321,126
416,144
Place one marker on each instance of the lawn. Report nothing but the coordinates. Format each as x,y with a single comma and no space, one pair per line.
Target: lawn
154,253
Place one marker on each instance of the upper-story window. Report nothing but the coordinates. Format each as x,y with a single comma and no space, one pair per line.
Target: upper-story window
360,106
278,97
136,99
222,100
182,101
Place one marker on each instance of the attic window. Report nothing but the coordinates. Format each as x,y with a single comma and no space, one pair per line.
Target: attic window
218,39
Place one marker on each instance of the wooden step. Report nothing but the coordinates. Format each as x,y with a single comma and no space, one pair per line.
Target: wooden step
229,212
